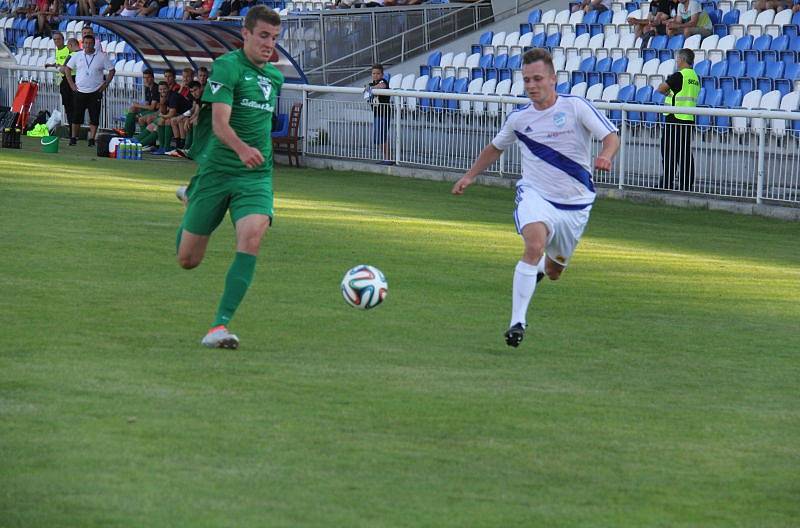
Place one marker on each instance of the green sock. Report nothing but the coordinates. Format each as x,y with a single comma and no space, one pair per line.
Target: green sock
178,238
239,277
148,138
130,124
189,138
165,136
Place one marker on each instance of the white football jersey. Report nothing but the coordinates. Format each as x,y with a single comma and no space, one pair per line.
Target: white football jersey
556,148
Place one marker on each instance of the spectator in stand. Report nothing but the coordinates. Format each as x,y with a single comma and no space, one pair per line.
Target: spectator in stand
89,85
655,23
382,112
46,13
131,8
182,124
89,7
202,76
62,55
115,7
593,5
144,107
150,8
20,7
690,19
777,5
198,9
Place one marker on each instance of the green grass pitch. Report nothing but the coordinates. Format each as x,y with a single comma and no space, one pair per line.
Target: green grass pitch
658,386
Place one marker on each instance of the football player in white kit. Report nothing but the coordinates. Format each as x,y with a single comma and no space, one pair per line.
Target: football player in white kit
556,192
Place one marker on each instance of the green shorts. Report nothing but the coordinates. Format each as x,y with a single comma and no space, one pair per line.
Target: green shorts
211,195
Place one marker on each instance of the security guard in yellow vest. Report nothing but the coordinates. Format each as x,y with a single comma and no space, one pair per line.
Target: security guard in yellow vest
682,89
63,53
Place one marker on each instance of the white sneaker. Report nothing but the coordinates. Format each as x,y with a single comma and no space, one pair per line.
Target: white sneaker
219,337
180,193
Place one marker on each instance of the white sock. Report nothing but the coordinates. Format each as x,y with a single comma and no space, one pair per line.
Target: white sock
524,286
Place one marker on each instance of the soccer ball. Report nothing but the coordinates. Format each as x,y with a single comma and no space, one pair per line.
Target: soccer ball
364,287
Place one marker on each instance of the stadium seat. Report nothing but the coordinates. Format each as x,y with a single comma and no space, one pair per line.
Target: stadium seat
712,99
474,87
652,119
420,83
594,92
789,103
643,96
625,94
563,88
749,101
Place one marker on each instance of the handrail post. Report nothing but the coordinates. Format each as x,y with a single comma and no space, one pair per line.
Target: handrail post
623,136
761,148
396,131
304,119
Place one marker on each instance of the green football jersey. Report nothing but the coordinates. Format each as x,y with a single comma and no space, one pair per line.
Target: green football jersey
252,93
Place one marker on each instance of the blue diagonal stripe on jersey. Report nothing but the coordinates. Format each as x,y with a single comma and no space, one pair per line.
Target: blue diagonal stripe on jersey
557,160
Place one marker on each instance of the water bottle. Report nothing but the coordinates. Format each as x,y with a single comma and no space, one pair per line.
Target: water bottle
126,150
121,150
138,151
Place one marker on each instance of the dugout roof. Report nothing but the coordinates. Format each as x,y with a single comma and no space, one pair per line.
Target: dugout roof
178,44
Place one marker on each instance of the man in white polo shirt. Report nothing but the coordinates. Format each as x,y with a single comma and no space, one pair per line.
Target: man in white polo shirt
88,66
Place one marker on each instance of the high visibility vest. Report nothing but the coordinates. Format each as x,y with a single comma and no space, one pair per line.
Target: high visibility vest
687,97
62,56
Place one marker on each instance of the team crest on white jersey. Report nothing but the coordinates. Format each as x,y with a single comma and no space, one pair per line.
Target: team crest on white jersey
559,119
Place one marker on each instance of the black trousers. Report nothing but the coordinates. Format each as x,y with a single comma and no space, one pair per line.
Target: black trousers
67,99
676,153
87,101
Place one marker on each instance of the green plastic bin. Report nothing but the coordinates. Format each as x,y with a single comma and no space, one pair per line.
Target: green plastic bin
50,144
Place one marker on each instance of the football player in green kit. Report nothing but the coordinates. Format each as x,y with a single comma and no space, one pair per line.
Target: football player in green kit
235,167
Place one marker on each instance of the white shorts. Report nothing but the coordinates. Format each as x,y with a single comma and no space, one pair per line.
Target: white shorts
564,226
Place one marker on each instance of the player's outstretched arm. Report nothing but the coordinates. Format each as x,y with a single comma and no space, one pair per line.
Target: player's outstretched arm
220,122
488,155
609,150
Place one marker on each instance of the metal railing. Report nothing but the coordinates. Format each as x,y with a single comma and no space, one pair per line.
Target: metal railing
754,155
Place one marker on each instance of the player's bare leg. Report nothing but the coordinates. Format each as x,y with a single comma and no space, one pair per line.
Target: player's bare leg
191,249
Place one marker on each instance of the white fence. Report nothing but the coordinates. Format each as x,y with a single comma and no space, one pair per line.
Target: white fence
750,155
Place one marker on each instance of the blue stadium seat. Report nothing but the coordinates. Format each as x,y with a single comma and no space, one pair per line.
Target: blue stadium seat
515,62
590,17
525,28
162,13
746,84
486,38
596,76
553,40
446,86
431,86
760,44
778,44
72,10
791,30
651,119
675,42
753,69
735,70
605,17
732,99
718,69
720,30
625,95
434,58
580,29
731,17
702,68
460,86
538,40
535,16
486,61
643,96
500,61
596,29
712,99
563,88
